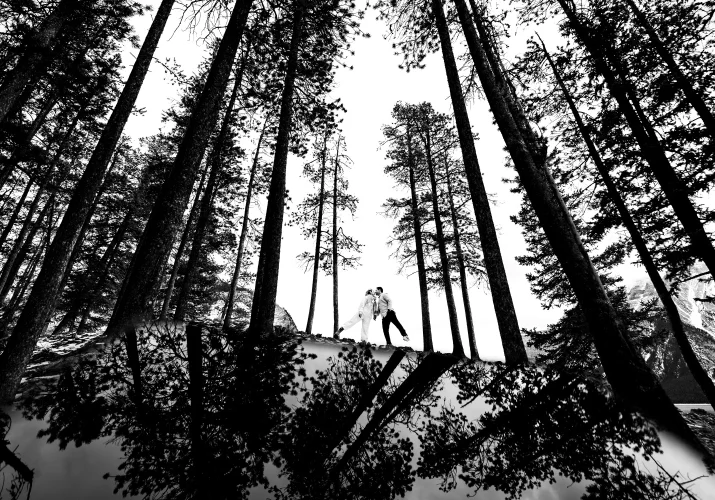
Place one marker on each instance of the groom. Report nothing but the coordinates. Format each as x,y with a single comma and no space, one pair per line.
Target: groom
384,304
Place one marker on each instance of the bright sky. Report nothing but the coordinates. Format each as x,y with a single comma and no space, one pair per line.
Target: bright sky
369,92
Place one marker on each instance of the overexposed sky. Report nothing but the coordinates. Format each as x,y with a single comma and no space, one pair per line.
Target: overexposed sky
369,92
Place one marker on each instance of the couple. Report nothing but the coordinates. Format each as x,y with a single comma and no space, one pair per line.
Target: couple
372,305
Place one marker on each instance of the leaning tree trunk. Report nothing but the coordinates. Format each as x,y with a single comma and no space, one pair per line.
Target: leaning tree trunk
462,269
41,302
458,349
417,230
264,294
691,359
186,233
693,96
514,350
38,50
230,303
216,163
318,236
336,322
629,376
166,216
675,190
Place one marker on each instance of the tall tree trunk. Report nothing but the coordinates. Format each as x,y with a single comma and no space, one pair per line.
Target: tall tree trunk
417,230
264,294
691,359
514,350
230,303
13,218
629,376
318,236
336,322
186,233
462,268
693,96
166,216
41,302
38,49
458,349
202,224
675,190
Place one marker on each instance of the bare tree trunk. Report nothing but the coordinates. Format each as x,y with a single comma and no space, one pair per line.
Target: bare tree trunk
514,350
166,216
216,163
318,235
38,48
458,349
675,190
41,302
417,229
264,294
629,376
462,269
691,359
336,322
244,232
186,233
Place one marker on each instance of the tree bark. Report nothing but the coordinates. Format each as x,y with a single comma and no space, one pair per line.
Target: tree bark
693,96
514,350
38,49
202,224
458,349
629,376
167,214
691,359
264,294
186,233
336,323
675,190
318,235
462,269
41,302
417,229
244,232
